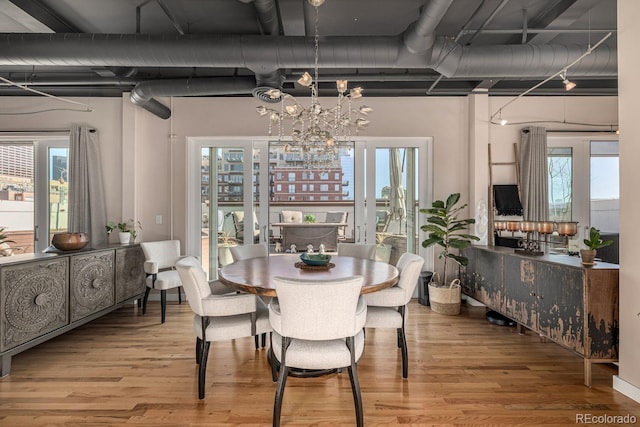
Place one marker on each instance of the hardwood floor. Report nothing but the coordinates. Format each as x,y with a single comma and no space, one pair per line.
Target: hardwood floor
126,369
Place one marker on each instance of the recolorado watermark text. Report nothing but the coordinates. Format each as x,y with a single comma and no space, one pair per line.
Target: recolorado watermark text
605,419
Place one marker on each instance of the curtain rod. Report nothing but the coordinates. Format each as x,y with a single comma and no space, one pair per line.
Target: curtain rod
573,131
92,130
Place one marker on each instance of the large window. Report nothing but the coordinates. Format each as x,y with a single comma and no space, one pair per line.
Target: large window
560,165
34,185
605,185
584,181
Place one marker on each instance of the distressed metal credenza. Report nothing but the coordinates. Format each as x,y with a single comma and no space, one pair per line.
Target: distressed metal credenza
44,295
553,295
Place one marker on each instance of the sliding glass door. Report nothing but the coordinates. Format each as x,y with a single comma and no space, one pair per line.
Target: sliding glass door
227,206
395,185
240,188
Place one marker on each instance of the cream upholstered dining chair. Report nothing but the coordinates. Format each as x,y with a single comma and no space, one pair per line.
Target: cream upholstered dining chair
357,250
218,317
242,252
388,308
160,260
317,325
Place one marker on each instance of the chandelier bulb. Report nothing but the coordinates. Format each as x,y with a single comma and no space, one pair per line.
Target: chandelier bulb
261,110
274,93
341,85
355,93
306,79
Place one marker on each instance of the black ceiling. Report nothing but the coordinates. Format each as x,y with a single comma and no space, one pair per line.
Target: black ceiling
27,24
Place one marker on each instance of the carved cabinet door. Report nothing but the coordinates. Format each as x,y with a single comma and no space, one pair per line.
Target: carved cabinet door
34,300
91,283
130,275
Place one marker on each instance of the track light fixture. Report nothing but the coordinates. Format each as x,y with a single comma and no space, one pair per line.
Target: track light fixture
502,121
568,84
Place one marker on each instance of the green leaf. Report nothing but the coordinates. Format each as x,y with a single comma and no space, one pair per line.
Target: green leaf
459,259
430,242
438,204
452,200
459,244
438,221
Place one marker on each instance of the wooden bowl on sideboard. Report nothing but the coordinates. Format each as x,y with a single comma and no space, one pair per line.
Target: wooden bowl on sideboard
70,241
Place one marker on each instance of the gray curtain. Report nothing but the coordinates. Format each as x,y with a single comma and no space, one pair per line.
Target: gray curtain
533,173
87,212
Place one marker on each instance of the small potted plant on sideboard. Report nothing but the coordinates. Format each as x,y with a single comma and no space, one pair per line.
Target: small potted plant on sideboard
593,243
127,231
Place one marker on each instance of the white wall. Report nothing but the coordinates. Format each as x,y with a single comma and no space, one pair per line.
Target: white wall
628,380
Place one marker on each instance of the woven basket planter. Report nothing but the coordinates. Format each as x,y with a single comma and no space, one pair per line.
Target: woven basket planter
445,299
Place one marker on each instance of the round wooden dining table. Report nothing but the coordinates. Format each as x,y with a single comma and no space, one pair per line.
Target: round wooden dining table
255,275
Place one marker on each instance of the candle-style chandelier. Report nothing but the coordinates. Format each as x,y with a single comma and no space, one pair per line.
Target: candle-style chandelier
316,133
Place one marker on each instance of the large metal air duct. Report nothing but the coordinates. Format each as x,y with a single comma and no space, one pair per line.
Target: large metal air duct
417,48
145,92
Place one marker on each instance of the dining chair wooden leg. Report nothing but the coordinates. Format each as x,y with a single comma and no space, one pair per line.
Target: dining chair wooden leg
202,369
357,396
144,300
198,350
272,360
264,340
355,384
257,341
405,355
277,406
163,304
282,380
179,295
403,341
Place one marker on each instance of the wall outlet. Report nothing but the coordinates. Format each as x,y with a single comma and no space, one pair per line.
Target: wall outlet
158,219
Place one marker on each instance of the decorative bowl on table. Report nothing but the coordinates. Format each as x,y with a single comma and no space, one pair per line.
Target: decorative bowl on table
70,241
315,259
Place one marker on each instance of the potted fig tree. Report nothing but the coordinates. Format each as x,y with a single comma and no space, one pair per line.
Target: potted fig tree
450,233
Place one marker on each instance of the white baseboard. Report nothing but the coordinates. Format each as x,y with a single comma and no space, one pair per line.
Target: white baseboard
626,388
472,302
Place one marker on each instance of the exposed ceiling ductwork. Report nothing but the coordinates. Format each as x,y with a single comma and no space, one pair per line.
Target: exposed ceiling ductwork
416,48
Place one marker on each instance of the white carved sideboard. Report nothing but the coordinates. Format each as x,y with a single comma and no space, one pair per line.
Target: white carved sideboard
45,295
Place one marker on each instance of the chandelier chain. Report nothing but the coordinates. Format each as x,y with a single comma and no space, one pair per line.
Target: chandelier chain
318,135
